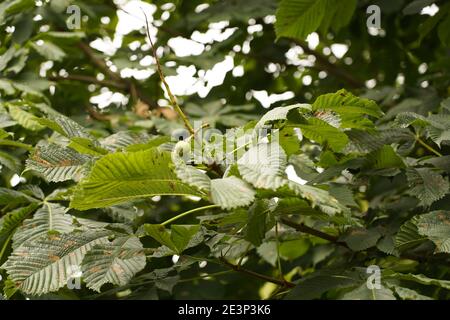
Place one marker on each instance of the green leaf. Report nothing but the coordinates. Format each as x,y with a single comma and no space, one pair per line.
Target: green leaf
364,293
116,262
64,126
298,18
51,218
121,177
46,264
257,222
231,192
181,235
10,161
193,176
409,294
56,163
314,286
49,50
10,222
178,239
24,118
359,239
436,226
408,236
279,113
419,278
347,105
427,185
384,158
13,197
264,166
321,132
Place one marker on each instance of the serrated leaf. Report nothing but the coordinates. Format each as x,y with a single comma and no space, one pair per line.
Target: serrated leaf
177,239
427,185
193,176
121,177
364,293
10,222
264,166
51,218
436,226
279,113
56,163
46,264
11,196
24,118
420,278
116,262
257,222
408,236
323,133
231,192
298,18
314,286
49,50
359,239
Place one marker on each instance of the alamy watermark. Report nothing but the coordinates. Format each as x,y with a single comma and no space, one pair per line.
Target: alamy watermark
374,280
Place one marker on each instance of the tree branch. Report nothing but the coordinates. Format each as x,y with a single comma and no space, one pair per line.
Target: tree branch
172,98
317,233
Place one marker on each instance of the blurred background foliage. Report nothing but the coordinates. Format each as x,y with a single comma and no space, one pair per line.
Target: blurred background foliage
227,61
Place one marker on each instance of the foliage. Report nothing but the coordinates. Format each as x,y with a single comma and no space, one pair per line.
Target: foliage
294,202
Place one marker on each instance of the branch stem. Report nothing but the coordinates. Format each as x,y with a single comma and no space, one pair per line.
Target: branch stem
317,233
172,98
429,148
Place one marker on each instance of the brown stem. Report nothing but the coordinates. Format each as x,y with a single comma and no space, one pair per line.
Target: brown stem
100,63
282,283
172,98
305,229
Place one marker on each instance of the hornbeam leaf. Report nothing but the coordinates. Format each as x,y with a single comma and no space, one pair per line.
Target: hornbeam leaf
320,131
115,262
47,263
57,163
346,104
264,166
24,118
11,196
51,217
364,293
121,177
419,278
64,126
436,226
10,222
427,185
231,192
298,18
193,176
279,113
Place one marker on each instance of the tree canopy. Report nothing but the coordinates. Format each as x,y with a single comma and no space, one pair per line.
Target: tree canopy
234,149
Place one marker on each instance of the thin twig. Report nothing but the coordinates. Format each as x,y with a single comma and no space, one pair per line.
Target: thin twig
172,98
181,215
